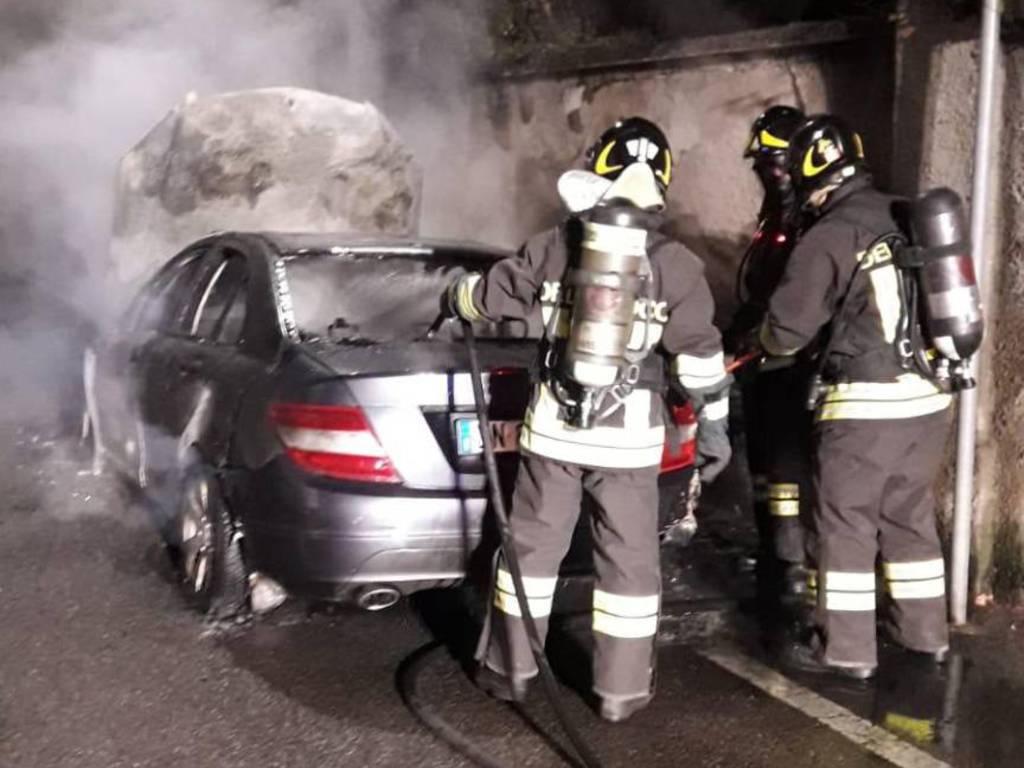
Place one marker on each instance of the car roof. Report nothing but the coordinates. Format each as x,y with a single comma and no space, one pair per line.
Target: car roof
326,243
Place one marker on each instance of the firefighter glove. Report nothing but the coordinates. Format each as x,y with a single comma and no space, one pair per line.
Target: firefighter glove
713,447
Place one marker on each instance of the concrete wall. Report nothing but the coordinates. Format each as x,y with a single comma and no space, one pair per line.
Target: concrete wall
706,107
935,109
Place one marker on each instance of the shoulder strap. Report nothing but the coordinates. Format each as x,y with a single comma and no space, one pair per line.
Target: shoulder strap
841,315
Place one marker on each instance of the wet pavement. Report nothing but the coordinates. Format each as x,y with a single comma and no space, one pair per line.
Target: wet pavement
103,665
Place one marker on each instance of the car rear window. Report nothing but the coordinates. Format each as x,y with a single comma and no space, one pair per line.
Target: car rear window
373,298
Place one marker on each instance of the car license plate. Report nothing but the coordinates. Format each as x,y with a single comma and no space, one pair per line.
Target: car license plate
504,435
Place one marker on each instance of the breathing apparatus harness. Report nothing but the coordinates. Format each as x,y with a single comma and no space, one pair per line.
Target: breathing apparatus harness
609,276
935,337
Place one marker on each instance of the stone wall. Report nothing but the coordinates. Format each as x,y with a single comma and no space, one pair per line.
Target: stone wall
545,124
935,111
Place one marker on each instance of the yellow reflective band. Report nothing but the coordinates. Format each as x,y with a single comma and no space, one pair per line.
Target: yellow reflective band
627,616
915,569
858,145
769,140
699,372
464,298
509,604
625,627
922,589
849,601
812,578
629,606
909,396
535,586
785,490
784,507
601,167
851,581
921,731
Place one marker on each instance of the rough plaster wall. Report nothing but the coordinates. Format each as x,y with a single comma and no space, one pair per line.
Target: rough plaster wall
935,130
706,110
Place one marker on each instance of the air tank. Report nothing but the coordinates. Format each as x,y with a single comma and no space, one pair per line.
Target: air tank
605,286
952,302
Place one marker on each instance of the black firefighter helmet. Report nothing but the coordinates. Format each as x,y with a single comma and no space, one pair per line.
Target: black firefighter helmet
771,132
823,155
632,140
769,147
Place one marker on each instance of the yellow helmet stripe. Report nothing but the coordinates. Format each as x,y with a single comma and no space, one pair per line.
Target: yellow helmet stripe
769,140
859,145
601,167
811,169
666,174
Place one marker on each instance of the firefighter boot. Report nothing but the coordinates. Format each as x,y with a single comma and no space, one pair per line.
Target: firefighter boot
807,656
615,710
501,687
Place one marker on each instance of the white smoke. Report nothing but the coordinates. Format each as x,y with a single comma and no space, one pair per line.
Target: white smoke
81,81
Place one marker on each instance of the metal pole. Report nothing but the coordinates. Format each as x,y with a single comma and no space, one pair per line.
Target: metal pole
968,415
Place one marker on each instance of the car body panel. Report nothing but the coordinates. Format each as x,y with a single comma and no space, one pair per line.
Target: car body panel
196,393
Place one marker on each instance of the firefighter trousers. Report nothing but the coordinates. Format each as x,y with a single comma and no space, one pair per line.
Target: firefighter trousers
627,589
873,481
778,433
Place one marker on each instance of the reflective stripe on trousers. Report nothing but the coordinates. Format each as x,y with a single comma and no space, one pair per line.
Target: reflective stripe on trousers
625,616
545,509
916,579
784,499
540,593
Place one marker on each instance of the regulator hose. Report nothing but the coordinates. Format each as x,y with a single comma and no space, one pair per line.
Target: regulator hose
586,754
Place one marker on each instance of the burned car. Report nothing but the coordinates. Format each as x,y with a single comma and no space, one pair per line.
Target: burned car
292,408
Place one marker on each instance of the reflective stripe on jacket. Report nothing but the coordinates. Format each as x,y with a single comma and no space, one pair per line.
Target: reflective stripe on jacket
673,321
866,380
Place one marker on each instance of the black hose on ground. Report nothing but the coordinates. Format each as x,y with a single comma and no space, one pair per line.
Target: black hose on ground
547,677
408,674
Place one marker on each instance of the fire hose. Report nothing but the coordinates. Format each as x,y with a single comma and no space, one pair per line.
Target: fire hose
409,671
407,674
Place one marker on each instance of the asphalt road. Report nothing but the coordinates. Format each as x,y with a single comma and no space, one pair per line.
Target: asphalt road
102,665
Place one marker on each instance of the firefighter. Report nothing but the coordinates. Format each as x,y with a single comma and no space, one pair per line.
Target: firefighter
777,425
880,429
615,459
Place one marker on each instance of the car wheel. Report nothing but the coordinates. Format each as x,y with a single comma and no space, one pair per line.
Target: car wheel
209,549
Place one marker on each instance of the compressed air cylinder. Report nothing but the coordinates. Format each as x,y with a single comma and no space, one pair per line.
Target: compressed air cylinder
952,302
605,285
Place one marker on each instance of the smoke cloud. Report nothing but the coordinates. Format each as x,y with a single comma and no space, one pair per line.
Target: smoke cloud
81,81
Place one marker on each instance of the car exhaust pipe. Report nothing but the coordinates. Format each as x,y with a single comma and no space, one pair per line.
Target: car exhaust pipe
377,598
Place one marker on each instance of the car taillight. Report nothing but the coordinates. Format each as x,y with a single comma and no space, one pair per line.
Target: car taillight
333,440
685,454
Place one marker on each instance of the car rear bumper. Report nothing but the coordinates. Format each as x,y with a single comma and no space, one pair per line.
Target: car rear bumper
324,542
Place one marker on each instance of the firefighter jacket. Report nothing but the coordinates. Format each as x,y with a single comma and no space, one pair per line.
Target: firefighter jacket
674,321
762,268
843,251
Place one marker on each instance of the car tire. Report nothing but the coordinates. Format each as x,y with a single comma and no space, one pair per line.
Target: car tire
208,549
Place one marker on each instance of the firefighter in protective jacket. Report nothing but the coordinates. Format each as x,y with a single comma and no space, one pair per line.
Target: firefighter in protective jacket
777,425
616,458
880,429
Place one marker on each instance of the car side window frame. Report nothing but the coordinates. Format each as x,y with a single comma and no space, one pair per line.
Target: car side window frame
226,258
150,311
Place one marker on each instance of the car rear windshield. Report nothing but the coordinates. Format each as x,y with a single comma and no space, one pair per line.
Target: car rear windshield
380,297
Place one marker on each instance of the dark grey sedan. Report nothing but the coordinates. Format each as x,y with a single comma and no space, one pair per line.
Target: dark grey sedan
294,413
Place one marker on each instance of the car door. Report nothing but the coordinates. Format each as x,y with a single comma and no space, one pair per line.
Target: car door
207,362
118,364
